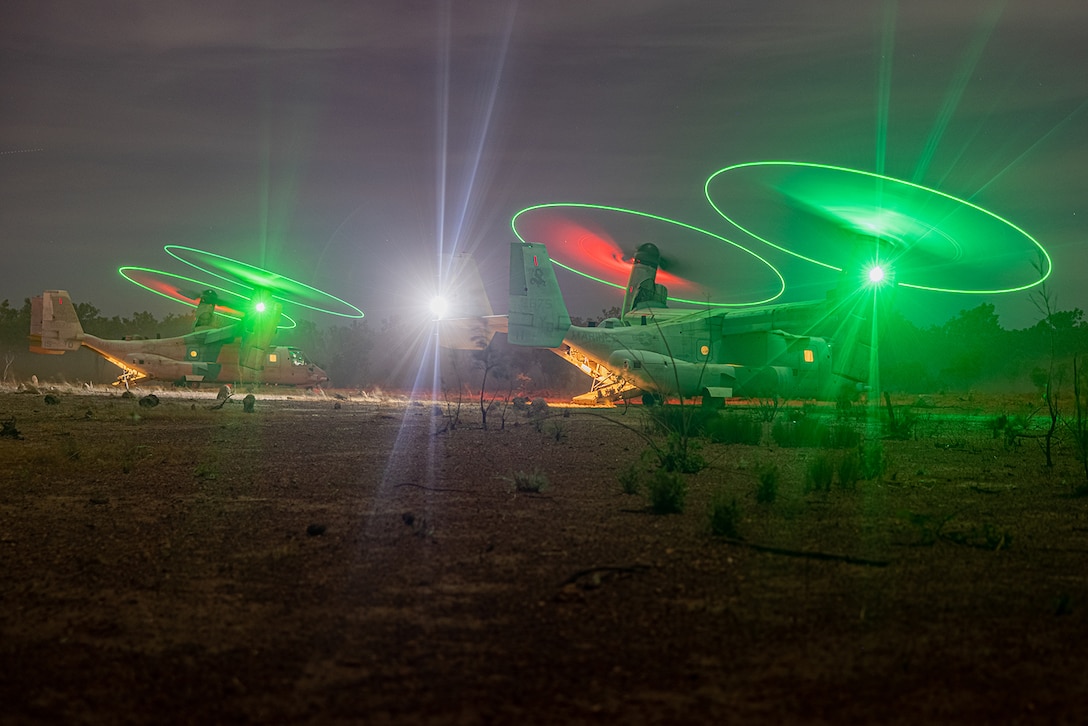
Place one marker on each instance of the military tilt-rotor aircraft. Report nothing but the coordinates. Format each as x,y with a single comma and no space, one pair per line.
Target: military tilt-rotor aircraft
239,352
817,350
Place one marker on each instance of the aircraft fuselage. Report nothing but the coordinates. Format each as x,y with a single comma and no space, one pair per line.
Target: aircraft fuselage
720,354
206,356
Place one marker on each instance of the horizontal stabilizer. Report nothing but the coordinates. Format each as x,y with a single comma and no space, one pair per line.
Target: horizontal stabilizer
469,333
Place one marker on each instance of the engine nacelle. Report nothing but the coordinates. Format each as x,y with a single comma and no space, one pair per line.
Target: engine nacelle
656,372
660,373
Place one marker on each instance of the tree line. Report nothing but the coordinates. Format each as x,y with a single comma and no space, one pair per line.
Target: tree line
968,351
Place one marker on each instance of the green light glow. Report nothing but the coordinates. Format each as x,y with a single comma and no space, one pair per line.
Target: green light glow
668,247
876,274
955,91
937,241
186,291
884,84
282,288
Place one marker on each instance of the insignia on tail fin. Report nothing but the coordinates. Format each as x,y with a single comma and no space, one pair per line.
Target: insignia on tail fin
538,316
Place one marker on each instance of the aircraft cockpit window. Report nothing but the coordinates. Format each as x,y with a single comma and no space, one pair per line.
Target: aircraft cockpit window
297,357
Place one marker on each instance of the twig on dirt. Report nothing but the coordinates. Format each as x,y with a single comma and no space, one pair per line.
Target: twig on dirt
433,489
605,569
981,489
807,554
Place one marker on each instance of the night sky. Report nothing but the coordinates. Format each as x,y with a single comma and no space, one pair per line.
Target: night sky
345,143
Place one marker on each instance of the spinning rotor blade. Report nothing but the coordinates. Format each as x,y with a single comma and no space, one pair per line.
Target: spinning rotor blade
698,267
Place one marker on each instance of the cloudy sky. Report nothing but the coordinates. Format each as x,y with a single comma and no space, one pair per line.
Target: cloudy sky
345,143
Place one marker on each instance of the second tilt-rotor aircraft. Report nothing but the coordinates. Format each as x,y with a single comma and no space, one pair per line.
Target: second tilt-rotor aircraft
819,350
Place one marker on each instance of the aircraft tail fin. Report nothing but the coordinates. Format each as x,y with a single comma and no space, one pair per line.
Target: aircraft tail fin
468,297
54,325
538,315
466,320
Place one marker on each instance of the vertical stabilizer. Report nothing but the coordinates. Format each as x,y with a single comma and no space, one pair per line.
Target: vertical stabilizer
538,316
465,293
464,319
54,325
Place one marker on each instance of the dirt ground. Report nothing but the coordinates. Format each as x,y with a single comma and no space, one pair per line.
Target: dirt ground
351,560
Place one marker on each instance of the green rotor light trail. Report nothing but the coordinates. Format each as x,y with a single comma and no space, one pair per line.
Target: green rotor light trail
188,291
582,238
831,216
281,288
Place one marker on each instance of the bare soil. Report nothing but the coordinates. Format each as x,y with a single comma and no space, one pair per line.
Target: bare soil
308,563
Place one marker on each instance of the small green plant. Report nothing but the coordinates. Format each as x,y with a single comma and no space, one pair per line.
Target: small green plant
849,470
734,428
670,419
532,482
997,425
1011,428
819,474
767,489
901,422
786,433
630,480
871,458
134,453
558,432
681,454
538,413
803,430
206,470
680,424
768,408
841,435
7,428
724,515
668,492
